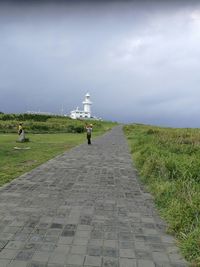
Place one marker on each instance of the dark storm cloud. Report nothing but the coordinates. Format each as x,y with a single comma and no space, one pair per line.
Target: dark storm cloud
138,59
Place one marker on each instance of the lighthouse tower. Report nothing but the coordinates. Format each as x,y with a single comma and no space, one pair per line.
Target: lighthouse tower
83,114
87,105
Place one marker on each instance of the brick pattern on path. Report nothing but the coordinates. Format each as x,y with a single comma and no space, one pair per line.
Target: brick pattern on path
84,208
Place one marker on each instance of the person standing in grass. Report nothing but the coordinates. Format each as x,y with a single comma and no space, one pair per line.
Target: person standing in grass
89,133
21,133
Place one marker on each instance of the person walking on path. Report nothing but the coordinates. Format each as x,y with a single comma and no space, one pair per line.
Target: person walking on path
89,133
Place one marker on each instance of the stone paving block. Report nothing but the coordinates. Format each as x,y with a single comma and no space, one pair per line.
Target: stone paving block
24,255
43,225
110,252
110,235
46,246
179,264
37,264
158,247
70,227
94,261
163,264
17,223
60,265
95,242
127,253
167,239
145,263
16,263
4,263
49,238
75,259
142,254
29,230
171,249
110,262
160,257
152,239
124,262
68,233
176,258
56,226
147,220
97,234
6,236
3,243
125,236
51,232
57,257
80,241
95,251
126,245
84,227
83,234
85,220
147,231
12,230
141,246
36,238
111,243
21,237
62,248
77,249
41,256
31,246
8,254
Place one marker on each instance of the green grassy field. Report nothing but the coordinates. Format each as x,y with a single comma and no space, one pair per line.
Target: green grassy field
168,161
48,124
14,162
43,146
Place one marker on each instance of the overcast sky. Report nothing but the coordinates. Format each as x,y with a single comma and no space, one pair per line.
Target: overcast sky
140,60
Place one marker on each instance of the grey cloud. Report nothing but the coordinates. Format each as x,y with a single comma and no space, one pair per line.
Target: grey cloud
138,59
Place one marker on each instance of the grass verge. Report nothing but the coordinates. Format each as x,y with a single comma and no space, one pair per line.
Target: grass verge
168,161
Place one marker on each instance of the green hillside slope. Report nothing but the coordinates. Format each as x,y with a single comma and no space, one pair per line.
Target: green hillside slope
168,161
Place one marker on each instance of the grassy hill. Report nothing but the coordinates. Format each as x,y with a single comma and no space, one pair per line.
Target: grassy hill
34,123
168,161
49,136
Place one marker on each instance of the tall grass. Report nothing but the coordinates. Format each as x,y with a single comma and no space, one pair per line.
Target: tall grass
168,161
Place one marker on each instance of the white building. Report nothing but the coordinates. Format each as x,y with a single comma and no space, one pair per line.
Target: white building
86,112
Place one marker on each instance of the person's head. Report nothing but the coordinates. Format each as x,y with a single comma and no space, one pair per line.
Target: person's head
91,125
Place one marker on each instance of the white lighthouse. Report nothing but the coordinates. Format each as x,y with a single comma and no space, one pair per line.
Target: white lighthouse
87,104
86,112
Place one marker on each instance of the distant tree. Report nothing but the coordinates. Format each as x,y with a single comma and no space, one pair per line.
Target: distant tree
1,112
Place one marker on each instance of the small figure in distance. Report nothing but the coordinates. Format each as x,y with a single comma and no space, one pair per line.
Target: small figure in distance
22,134
89,133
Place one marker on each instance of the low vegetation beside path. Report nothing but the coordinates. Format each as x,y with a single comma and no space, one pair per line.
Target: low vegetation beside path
49,136
168,161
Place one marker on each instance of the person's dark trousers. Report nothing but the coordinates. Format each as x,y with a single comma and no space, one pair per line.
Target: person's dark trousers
89,139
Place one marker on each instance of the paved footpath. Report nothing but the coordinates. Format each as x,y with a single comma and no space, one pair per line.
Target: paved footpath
84,208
